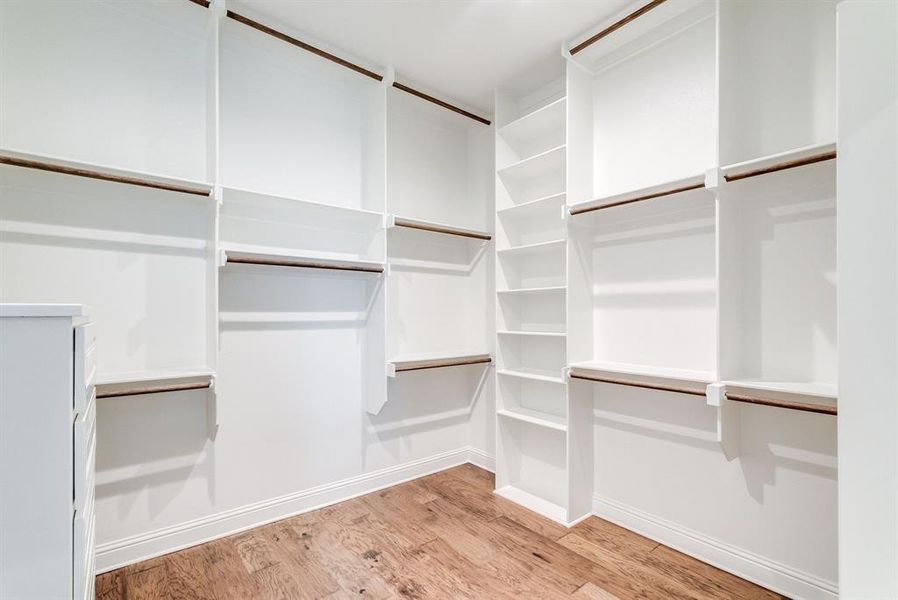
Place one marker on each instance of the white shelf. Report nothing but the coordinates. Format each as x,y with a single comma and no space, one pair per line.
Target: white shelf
41,310
535,503
665,373
532,333
113,385
810,389
263,255
432,226
533,374
535,417
537,248
410,362
693,185
779,161
65,166
237,194
550,161
531,205
535,290
542,121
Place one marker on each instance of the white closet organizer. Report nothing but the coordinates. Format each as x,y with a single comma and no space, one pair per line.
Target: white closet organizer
438,240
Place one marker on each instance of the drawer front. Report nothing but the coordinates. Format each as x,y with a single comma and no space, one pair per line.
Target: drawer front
83,555
85,447
85,366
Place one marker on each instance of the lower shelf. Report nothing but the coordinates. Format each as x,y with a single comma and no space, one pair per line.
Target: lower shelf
138,383
535,417
532,502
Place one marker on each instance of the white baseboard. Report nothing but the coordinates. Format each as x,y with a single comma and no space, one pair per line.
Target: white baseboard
119,553
770,574
479,458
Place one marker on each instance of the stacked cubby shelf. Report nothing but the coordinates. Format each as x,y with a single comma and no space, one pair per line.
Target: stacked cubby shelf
534,425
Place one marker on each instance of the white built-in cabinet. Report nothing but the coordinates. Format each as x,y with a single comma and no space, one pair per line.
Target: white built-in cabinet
665,196
48,444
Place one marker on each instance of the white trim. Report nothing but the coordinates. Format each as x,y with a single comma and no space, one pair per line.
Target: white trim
758,569
126,551
482,459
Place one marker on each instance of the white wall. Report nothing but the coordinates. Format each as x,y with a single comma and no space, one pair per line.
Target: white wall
868,298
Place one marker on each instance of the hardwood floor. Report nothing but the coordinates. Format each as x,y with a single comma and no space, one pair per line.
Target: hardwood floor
443,536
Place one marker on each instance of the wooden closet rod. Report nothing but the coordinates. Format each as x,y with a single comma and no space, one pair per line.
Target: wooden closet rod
437,363
639,384
155,389
305,264
802,406
615,26
789,164
412,224
586,209
203,3
90,174
439,102
300,44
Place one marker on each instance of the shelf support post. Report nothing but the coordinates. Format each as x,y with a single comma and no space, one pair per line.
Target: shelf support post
728,419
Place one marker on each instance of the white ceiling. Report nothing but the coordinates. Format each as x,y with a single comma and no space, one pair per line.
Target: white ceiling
460,49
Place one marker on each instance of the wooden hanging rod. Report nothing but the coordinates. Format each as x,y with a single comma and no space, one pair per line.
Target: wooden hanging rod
652,196
436,363
424,226
639,384
300,44
615,26
789,164
203,3
159,389
91,174
305,264
439,102
802,406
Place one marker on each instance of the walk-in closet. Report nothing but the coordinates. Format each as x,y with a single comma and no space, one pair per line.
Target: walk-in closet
480,299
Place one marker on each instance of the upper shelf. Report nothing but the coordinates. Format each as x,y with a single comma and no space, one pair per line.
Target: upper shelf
338,212
73,168
694,184
826,391
629,31
599,370
791,159
282,257
543,122
530,249
436,361
544,163
397,221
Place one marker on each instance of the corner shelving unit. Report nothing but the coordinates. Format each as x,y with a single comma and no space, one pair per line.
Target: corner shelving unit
538,450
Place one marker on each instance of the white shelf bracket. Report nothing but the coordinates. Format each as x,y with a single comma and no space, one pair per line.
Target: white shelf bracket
218,194
222,258
713,178
389,76
212,411
729,425
219,8
391,370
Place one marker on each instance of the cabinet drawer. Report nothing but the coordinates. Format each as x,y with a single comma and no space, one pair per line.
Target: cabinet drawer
85,366
85,447
83,555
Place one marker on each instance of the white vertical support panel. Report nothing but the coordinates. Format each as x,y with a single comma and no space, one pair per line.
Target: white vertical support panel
217,11
868,298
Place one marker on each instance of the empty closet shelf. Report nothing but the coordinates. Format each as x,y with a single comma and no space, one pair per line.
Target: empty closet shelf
827,391
255,255
153,382
783,161
694,184
538,165
541,122
549,334
535,503
73,168
528,249
418,363
398,221
813,407
681,381
535,417
533,374
531,206
535,290
323,211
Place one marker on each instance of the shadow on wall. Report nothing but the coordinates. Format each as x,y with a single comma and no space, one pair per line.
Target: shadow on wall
772,439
